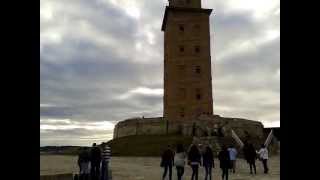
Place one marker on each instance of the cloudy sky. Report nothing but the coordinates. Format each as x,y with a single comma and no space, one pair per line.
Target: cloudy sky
102,61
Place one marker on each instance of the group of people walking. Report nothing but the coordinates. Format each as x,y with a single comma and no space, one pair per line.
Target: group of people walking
94,164
197,156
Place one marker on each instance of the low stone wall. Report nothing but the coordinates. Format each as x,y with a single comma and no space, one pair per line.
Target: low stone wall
140,126
202,126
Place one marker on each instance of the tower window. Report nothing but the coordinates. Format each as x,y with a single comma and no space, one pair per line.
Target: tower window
182,112
197,49
181,28
198,94
198,70
181,48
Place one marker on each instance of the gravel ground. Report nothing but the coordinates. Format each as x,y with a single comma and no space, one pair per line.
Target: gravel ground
147,168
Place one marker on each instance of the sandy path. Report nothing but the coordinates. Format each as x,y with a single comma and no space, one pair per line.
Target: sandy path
147,168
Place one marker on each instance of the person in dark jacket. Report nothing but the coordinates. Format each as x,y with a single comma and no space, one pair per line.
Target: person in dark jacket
76,177
194,160
208,162
83,162
250,156
224,159
95,158
167,160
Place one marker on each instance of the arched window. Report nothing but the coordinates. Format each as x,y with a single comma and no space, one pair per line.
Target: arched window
197,49
181,28
181,48
182,112
198,70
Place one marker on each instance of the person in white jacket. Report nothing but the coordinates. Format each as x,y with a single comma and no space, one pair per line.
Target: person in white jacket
179,160
233,157
263,156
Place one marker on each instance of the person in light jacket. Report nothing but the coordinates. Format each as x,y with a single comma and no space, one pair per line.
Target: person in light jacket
263,156
233,157
179,161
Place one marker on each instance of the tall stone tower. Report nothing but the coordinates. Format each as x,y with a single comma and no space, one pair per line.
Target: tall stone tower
187,61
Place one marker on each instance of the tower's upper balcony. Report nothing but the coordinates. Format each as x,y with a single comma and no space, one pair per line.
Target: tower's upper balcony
185,3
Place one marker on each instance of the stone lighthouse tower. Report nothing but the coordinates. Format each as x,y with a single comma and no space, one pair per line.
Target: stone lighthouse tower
187,61
188,85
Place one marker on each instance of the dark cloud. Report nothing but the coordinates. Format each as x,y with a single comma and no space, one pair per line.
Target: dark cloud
56,112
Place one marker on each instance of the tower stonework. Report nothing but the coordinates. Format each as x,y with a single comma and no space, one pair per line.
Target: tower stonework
187,61
185,3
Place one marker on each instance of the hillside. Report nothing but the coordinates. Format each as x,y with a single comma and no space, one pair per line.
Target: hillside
63,150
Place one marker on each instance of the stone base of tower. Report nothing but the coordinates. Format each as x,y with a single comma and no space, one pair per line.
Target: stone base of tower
203,126
149,136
